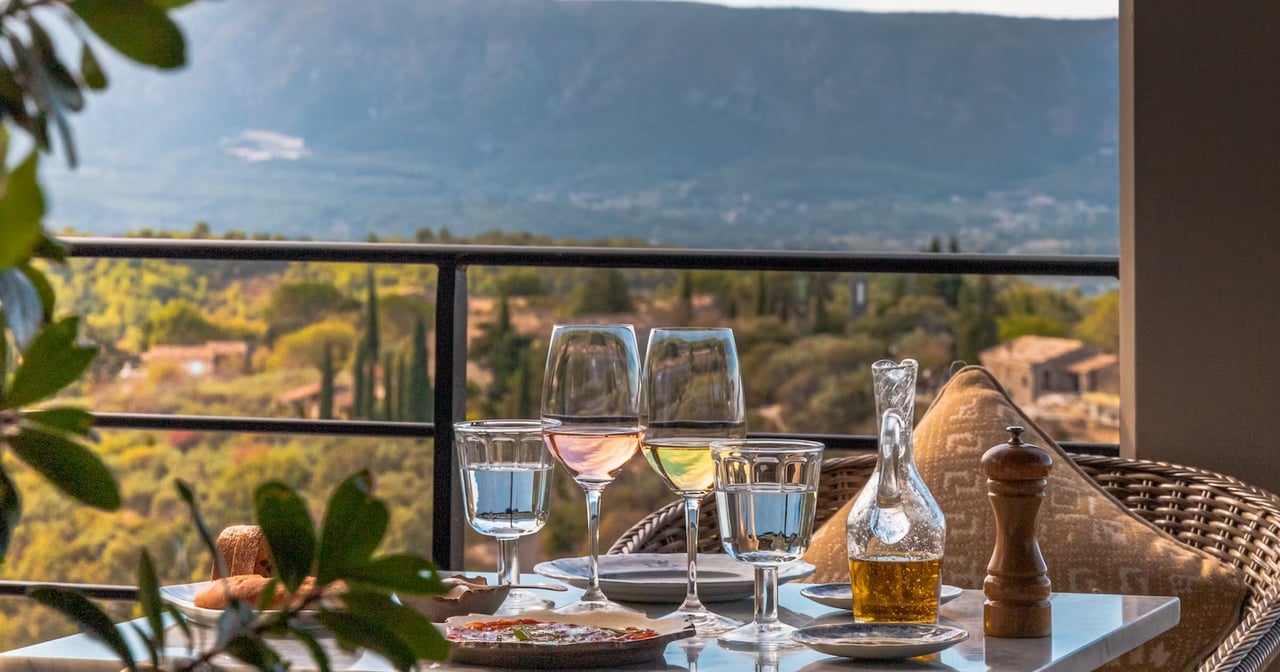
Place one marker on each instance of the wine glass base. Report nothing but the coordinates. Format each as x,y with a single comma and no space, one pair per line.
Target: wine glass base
594,607
520,601
705,622
761,636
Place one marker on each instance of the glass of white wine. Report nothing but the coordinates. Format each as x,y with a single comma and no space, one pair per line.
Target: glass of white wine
591,422
766,496
506,482
691,395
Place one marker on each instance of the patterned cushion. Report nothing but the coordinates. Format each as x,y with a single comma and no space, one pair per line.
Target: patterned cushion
1091,542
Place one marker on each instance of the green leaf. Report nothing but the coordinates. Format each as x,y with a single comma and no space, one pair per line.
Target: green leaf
180,619
22,306
137,29
64,418
317,652
354,631
171,4
64,86
70,466
11,97
287,525
43,289
354,522
10,511
407,624
50,248
21,207
152,653
254,652
87,615
189,496
52,361
267,595
91,70
403,573
149,597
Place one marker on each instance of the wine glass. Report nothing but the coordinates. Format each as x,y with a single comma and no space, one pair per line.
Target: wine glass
766,494
506,482
591,421
691,394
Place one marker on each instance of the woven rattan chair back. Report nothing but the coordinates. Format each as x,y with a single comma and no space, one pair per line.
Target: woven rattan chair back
1235,522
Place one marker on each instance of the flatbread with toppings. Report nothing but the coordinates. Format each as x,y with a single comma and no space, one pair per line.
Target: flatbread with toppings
528,630
543,639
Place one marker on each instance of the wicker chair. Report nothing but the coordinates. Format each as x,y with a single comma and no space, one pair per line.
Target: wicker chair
1235,522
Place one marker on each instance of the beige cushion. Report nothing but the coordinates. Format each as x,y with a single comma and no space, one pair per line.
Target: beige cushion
1090,541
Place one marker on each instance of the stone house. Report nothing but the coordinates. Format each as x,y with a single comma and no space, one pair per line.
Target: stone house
1032,366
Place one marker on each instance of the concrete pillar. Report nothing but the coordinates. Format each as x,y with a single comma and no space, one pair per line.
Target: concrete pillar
1200,234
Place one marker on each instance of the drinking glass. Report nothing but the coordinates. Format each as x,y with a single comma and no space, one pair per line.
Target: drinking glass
591,421
766,494
506,482
691,394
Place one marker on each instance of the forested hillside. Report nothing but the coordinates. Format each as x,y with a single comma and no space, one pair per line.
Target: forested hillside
805,349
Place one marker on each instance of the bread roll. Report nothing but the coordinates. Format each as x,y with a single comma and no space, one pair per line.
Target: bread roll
244,549
245,587
248,588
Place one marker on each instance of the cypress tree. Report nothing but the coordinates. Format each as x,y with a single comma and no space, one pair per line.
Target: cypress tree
326,383
388,387
684,290
371,319
402,388
419,390
358,388
524,393
762,294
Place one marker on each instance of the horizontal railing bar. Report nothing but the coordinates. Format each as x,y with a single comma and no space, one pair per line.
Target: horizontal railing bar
419,430
594,257
90,590
249,425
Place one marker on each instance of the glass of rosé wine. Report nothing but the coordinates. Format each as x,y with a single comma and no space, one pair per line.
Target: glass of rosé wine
591,422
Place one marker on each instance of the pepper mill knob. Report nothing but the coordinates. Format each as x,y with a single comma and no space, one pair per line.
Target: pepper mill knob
1017,584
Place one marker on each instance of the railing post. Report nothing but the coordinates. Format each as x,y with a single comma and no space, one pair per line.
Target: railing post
450,406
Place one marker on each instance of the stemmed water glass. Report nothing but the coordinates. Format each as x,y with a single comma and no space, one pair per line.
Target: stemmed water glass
766,495
591,421
691,395
506,482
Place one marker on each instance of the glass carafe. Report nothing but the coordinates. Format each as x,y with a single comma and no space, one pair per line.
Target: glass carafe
895,530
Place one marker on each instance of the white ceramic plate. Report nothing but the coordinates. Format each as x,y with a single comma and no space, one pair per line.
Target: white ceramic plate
661,577
879,640
840,595
532,654
183,598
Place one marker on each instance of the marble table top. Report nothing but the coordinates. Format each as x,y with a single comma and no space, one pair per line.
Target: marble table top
1088,631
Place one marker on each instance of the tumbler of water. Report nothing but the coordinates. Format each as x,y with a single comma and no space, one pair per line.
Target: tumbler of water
766,495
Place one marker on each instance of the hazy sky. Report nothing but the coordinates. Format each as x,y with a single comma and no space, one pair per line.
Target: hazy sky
1066,9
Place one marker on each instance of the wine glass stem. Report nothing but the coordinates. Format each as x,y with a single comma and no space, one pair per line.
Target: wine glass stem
593,593
766,612
691,601
508,562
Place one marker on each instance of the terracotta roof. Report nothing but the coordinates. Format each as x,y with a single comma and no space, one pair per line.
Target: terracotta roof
1099,361
207,351
1032,349
299,393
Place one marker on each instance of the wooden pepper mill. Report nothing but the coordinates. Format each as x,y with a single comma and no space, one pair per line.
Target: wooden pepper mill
1017,583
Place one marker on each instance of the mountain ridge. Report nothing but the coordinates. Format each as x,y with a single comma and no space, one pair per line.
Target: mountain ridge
682,123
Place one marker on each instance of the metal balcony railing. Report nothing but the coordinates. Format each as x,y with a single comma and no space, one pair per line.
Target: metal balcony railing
451,329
